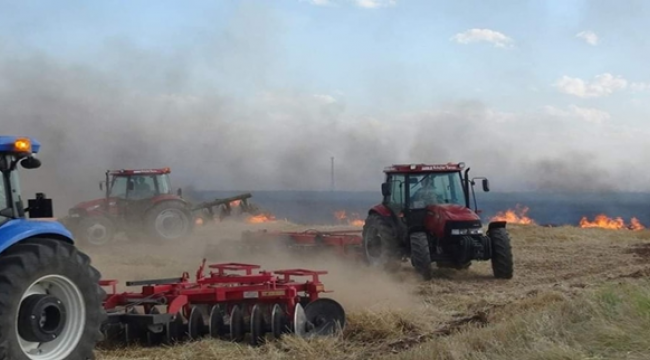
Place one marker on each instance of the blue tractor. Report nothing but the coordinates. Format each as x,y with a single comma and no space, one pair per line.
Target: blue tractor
50,297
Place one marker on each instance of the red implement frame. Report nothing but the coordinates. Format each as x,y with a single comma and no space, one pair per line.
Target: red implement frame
345,243
220,287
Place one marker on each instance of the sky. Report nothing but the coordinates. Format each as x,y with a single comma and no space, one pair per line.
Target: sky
537,95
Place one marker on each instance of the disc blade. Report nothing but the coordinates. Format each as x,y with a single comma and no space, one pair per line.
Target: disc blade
216,327
195,324
174,330
325,317
299,321
257,326
278,322
236,324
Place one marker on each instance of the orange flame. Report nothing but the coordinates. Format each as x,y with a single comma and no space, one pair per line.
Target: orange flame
636,225
517,216
261,218
605,222
354,221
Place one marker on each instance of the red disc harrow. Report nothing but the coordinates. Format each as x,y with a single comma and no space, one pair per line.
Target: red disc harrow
228,303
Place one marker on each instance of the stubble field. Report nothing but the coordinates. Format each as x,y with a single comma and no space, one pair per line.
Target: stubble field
576,294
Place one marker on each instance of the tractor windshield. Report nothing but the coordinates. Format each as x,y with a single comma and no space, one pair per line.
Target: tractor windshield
140,186
118,187
435,189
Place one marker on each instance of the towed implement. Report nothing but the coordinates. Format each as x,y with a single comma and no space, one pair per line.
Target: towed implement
228,303
344,243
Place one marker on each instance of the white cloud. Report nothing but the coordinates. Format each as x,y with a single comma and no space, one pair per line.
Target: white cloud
575,112
373,4
602,85
639,86
487,35
325,99
589,36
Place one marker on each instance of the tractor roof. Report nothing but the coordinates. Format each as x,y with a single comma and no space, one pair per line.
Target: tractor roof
130,172
423,168
17,144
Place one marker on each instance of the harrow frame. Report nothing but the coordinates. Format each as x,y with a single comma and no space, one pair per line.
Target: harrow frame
255,303
344,243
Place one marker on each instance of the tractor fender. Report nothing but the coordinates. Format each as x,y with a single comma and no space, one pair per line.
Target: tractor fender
381,210
16,230
496,225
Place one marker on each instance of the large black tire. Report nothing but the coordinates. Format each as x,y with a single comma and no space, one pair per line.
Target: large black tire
421,254
95,231
156,221
73,281
380,243
502,264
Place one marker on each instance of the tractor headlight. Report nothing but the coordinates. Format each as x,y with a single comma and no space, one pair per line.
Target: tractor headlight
476,231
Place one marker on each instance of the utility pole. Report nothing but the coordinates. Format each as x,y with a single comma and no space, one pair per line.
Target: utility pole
332,181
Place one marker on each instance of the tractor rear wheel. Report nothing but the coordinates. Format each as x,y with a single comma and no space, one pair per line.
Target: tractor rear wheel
421,254
50,302
380,244
502,266
169,220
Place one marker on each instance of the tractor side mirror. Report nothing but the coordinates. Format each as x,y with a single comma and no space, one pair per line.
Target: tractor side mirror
486,185
40,207
30,163
179,192
101,186
385,189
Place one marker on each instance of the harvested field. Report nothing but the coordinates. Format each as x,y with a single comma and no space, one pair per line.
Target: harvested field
576,294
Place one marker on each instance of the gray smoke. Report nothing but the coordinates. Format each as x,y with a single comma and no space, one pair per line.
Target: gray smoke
137,108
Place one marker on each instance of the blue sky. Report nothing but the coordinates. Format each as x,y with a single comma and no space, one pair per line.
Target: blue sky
368,54
553,76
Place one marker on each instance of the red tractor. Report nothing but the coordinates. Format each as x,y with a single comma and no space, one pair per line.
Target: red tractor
138,202
426,216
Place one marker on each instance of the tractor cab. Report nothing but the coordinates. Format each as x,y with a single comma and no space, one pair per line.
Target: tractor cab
137,184
427,196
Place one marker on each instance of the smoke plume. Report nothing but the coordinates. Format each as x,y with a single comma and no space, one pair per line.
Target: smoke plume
235,129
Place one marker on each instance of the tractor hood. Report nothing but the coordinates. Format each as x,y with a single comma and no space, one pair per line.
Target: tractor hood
453,212
88,206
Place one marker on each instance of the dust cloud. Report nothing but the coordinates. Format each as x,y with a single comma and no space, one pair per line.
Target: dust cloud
354,285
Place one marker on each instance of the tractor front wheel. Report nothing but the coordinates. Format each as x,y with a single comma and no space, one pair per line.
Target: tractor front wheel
169,221
95,230
502,266
421,254
50,302
380,244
